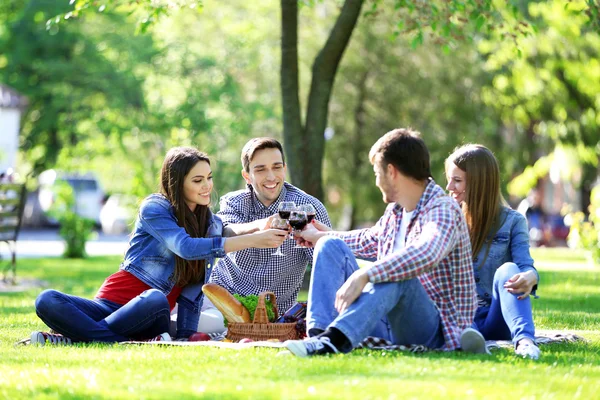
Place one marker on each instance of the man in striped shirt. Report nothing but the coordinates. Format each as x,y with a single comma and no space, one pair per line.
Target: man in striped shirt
420,289
252,271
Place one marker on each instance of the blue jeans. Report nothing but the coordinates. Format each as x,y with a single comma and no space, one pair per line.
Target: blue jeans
84,320
507,317
401,312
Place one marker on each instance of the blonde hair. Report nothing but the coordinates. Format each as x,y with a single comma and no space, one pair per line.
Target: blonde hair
483,199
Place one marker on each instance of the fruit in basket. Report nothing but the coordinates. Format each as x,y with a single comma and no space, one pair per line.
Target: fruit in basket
199,337
246,340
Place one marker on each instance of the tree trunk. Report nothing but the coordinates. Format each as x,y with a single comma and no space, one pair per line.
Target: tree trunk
357,158
292,123
304,145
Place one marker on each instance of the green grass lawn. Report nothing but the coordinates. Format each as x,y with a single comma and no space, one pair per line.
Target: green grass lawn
570,300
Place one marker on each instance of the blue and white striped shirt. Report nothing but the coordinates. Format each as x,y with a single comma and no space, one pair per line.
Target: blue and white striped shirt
252,271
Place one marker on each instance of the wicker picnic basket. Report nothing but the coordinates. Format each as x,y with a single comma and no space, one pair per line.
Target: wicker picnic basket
261,328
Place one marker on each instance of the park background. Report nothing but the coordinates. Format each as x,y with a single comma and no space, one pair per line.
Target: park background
109,86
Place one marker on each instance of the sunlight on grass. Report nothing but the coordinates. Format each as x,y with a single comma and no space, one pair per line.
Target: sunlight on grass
569,300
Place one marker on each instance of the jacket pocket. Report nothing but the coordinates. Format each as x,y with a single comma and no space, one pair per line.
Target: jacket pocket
499,247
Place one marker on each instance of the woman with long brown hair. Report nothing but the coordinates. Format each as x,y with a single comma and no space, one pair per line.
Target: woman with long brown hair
504,271
171,253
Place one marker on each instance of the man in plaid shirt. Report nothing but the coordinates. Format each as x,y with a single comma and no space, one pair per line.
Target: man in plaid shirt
252,271
421,288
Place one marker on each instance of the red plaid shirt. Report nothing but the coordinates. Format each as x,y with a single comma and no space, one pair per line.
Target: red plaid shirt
437,251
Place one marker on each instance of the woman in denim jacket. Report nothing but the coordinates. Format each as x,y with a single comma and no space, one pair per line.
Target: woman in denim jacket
171,252
504,271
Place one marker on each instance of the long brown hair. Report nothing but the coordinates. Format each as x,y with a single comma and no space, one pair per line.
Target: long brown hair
178,163
483,199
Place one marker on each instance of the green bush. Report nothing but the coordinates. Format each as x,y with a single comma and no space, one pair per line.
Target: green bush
585,232
74,229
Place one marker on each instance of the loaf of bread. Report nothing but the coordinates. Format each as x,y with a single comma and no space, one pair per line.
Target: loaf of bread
229,306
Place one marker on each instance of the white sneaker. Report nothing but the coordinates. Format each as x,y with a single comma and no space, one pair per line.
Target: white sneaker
528,350
311,347
41,338
472,341
163,337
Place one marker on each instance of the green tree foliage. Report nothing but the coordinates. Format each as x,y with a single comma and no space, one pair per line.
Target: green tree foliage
446,21
387,84
78,77
549,94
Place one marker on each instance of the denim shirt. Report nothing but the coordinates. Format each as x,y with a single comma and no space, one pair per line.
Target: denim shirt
154,243
509,244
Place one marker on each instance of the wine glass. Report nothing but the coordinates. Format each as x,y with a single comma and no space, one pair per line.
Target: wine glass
310,211
285,208
298,221
279,223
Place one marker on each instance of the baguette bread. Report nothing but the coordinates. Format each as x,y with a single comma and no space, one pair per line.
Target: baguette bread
229,306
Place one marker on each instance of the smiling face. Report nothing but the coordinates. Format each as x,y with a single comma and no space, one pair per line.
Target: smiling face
198,185
266,175
457,182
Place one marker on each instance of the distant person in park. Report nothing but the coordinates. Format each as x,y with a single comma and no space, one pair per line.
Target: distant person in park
252,271
421,285
537,218
171,253
503,267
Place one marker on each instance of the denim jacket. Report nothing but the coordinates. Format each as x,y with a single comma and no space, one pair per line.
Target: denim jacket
509,244
151,255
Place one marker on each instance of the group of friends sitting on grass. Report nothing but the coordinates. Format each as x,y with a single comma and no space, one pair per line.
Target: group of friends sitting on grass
449,271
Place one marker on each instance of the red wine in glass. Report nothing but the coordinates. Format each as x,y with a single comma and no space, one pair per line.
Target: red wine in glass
297,223
284,214
285,208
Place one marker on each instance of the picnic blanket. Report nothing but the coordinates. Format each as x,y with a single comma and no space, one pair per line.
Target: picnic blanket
542,338
372,343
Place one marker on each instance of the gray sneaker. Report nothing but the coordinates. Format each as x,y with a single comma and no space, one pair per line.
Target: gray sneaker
472,341
528,350
311,347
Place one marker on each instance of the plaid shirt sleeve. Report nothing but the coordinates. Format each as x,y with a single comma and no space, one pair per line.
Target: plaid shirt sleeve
363,243
437,238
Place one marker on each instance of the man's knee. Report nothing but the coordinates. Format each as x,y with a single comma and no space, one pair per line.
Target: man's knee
329,243
505,272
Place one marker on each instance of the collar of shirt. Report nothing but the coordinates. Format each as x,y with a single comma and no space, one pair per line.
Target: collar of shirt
259,207
427,194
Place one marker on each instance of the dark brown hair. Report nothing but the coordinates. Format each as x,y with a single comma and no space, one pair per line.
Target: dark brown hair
483,199
178,163
256,144
405,150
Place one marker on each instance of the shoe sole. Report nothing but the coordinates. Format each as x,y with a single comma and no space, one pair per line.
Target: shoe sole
473,342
